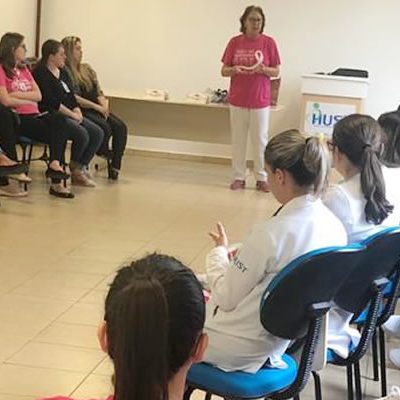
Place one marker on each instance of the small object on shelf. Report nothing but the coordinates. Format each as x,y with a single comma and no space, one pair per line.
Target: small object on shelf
198,98
156,95
218,96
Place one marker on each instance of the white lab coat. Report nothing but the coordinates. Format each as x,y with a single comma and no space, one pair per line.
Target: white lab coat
347,202
392,183
237,340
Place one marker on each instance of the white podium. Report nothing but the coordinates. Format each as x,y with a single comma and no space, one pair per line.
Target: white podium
328,98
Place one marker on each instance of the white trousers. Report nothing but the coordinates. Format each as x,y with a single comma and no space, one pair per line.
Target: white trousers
256,122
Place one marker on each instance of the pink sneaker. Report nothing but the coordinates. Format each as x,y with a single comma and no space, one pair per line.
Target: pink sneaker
262,186
238,184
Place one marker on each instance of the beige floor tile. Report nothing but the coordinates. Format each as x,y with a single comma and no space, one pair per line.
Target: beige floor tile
55,356
84,265
11,344
37,382
5,396
106,368
84,314
94,387
28,310
96,297
69,334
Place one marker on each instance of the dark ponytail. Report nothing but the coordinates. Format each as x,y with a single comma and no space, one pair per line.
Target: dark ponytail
360,138
155,314
390,123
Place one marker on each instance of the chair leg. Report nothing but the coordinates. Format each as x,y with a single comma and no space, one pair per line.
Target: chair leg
357,380
188,392
383,361
375,364
207,396
350,392
317,386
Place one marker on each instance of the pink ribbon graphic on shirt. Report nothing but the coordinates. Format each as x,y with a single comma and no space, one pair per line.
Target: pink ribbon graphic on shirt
259,60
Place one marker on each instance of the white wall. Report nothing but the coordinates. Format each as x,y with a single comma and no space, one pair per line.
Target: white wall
177,44
19,16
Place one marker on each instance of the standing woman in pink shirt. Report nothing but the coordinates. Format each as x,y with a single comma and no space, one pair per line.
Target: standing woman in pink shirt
250,60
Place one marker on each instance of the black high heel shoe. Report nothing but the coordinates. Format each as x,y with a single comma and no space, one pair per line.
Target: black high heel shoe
53,174
61,195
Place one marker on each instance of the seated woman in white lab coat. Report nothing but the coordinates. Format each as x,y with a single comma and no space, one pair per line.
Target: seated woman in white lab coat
360,201
298,171
390,122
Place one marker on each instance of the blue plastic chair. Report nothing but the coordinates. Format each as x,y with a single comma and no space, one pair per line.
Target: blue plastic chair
292,308
363,294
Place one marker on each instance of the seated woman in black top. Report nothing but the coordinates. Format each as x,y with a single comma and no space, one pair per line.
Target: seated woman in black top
58,95
94,104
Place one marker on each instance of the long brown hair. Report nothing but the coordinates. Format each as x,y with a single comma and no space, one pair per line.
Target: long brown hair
80,76
155,314
360,138
9,42
306,159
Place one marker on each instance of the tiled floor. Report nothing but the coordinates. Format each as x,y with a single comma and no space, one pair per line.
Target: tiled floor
57,257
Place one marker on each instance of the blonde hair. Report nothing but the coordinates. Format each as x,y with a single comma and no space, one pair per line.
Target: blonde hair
306,159
81,77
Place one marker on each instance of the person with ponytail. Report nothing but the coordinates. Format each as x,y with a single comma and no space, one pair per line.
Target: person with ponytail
360,200
298,169
152,328
390,123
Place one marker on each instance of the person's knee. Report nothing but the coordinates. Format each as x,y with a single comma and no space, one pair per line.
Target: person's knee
79,135
96,133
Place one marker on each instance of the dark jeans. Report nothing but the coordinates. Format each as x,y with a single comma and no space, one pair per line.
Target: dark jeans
8,132
86,140
113,128
49,129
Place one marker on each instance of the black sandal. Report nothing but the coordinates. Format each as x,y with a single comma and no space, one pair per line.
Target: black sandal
62,195
53,174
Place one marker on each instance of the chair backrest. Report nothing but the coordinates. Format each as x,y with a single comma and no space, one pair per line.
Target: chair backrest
381,255
309,280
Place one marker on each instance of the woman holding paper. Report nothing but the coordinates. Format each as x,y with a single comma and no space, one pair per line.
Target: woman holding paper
250,60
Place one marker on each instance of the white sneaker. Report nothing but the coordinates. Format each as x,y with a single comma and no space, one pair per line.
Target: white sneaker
394,357
393,395
392,326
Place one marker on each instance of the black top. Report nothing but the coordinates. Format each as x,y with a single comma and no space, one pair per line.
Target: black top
54,91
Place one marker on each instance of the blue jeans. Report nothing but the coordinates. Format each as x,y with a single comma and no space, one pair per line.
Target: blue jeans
86,140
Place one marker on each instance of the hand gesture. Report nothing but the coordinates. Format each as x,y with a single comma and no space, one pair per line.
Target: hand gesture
220,237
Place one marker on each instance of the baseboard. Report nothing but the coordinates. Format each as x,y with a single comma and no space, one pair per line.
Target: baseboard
185,148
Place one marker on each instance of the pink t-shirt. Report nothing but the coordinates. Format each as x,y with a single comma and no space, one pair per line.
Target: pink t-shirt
254,90
21,82
68,398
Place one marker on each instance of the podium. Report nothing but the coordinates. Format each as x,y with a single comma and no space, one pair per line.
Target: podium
328,98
